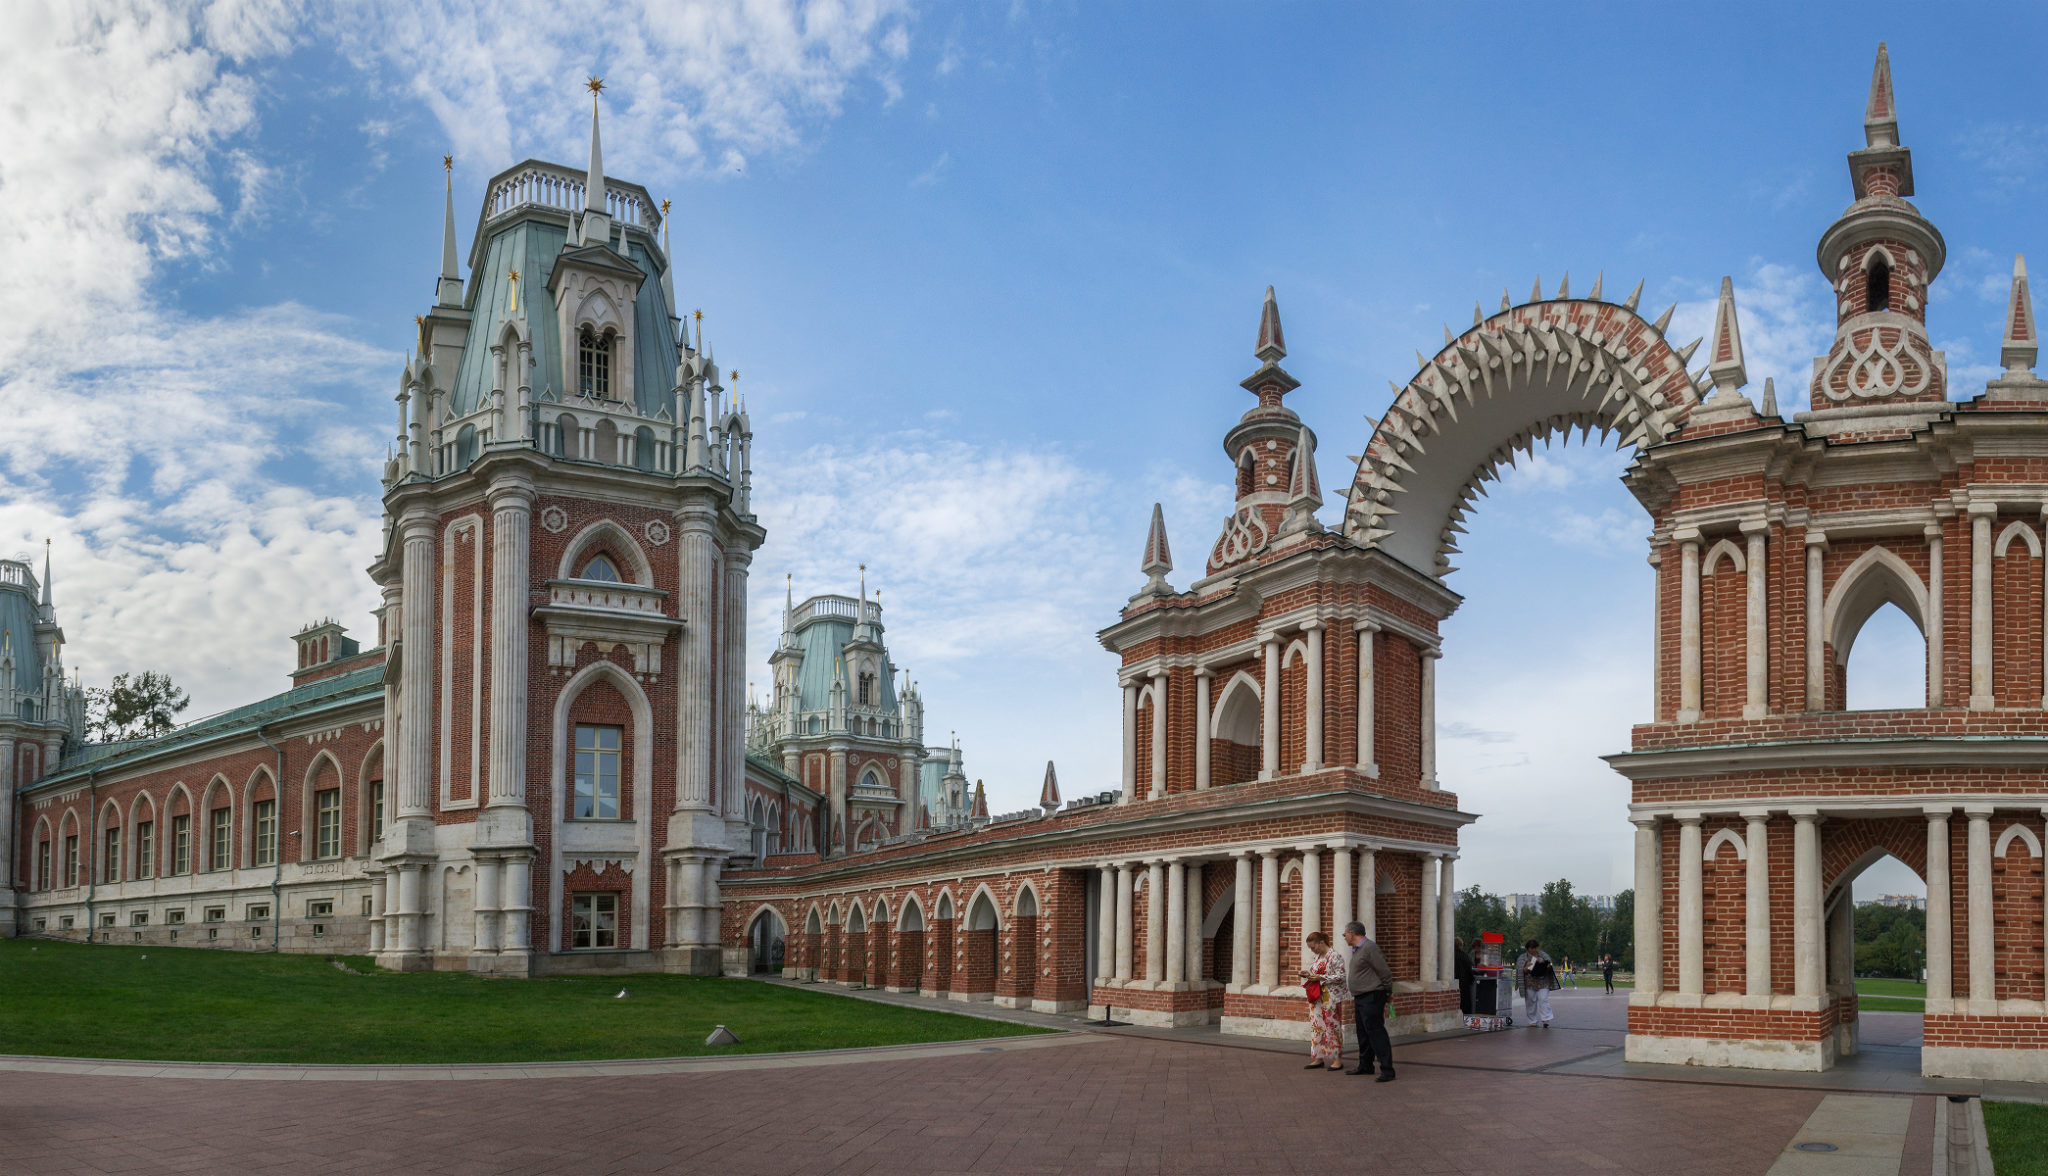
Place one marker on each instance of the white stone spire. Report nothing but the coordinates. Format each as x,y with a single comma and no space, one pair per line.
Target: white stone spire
449,292
597,222
1725,366
1158,557
1881,114
2021,344
1304,489
1049,794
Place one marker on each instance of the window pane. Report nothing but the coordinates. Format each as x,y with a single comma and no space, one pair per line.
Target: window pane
266,832
327,842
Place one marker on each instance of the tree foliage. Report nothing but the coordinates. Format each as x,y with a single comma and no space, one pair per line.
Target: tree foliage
1890,941
133,706
1568,924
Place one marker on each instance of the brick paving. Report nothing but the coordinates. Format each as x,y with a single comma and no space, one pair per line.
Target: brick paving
1498,1104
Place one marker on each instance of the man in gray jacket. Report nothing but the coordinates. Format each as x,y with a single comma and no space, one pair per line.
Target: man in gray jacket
1372,983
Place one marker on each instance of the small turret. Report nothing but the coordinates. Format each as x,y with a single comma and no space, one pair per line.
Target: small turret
2021,345
1158,557
1049,793
1304,489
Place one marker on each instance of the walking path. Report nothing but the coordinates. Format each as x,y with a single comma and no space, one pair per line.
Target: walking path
1129,1100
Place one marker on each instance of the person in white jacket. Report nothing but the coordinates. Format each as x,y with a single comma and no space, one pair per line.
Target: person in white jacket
1535,976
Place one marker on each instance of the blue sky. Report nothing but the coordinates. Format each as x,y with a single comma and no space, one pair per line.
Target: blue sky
991,275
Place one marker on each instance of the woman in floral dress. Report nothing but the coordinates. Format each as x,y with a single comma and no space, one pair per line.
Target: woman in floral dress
1325,1014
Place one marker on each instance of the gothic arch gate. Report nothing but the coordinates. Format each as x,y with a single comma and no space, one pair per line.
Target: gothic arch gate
1756,797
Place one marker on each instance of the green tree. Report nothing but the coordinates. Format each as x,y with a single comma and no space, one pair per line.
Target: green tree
1620,936
1479,912
133,706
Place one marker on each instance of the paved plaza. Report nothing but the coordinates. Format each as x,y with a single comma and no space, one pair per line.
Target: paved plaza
1118,1102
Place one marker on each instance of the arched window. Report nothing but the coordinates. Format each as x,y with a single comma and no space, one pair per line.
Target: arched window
565,436
594,363
465,446
643,448
864,690
601,567
1877,292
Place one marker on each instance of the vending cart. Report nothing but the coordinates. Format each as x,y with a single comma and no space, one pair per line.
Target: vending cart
1493,985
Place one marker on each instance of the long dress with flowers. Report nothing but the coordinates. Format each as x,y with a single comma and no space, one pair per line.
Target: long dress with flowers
1325,1016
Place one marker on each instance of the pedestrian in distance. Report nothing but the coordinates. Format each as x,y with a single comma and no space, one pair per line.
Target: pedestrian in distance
1535,976
1571,975
1607,972
1371,984
1321,982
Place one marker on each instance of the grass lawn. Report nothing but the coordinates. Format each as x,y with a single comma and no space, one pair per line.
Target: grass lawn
2019,1138
199,1005
1891,996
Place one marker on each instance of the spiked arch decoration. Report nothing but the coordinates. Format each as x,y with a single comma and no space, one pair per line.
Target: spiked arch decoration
1523,374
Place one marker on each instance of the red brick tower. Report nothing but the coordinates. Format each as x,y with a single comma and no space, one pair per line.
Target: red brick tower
1757,797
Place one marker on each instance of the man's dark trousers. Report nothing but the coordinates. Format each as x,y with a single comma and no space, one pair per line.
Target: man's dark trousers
1369,1015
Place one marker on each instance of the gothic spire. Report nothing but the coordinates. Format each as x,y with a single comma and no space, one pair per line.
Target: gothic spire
597,222
593,185
1770,404
1272,345
2021,345
1304,489
1158,557
450,290
1880,114
980,802
1725,366
46,573
1049,795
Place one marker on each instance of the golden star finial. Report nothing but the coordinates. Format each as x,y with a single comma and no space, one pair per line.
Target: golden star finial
699,315
595,85
664,208
448,163
515,275
735,375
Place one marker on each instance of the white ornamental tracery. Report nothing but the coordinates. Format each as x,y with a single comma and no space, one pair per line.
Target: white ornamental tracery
1523,374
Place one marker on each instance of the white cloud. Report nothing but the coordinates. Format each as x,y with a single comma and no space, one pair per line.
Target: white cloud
696,81
930,175
1787,317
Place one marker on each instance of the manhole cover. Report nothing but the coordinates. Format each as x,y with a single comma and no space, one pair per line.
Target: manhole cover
1815,1146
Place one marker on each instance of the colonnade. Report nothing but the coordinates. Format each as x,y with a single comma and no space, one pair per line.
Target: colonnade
1315,634
1174,914
1809,933
1756,623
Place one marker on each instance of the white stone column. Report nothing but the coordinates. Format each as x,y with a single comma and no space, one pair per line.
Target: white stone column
712,931
1649,928
1806,911
1269,726
1447,920
377,908
683,877
511,547
1756,909
1155,922
1342,897
1269,919
409,879
1983,980
1366,763
1940,905
1688,625
1369,892
1816,633
515,906
1935,661
1126,931
1756,665
1312,749
484,910
1158,734
1242,912
1311,898
1192,921
1426,933
1105,924
1691,926
1428,732
1981,695
416,674
1130,740
1203,677
1176,924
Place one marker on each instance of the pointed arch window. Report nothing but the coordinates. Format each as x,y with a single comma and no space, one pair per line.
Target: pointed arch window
602,568
594,363
1877,292
865,690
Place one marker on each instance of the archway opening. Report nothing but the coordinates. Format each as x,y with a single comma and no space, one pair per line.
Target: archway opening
1886,668
765,943
1875,957
1234,743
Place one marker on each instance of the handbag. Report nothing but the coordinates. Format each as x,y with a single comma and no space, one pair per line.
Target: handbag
1314,988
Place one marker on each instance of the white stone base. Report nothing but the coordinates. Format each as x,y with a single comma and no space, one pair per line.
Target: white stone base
967,996
1808,1056
2003,1065
1057,1006
1165,1018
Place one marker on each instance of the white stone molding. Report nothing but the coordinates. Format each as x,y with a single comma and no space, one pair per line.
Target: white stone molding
1816,652
554,520
2021,531
2017,831
1726,837
636,825
1203,677
658,532
1940,937
1981,695
1723,549
1366,762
